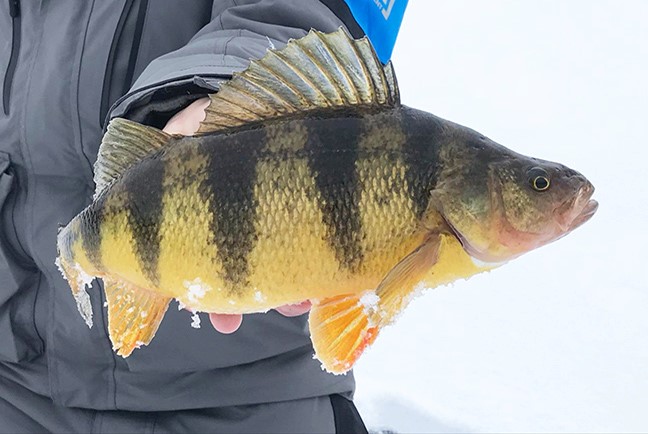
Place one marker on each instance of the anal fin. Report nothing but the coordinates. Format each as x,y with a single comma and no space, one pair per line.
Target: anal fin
343,327
134,315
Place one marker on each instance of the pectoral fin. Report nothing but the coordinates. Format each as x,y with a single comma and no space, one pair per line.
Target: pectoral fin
398,288
134,315
343,327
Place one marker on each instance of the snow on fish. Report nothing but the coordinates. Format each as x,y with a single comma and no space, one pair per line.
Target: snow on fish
308,178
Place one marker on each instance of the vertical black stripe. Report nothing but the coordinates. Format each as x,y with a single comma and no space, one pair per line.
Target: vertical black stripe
332,151
229,189
90,222
421,155
144,190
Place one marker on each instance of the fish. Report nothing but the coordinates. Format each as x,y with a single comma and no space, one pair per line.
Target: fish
307,180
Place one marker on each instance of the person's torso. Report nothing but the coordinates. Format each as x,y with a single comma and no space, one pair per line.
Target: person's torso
61,68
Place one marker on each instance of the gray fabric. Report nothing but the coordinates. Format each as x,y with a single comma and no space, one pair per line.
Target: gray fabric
48,143
311,415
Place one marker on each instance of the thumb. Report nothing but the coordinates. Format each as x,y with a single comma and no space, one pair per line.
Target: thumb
187,121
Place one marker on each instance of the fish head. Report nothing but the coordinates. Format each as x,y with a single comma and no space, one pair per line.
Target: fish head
508,204
536,202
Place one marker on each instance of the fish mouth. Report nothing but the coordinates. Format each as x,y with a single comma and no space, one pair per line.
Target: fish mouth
586,213
573,213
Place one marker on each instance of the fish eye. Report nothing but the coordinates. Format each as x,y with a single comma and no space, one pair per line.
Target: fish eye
539,179
541,183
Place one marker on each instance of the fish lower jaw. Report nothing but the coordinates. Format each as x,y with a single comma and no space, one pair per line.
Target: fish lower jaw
586,213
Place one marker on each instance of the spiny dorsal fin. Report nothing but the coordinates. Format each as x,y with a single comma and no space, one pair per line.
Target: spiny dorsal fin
318,71
125,143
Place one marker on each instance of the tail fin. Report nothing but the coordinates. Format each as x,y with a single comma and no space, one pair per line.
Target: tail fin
76,276
78,279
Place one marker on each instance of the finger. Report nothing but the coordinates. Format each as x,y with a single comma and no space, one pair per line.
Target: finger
294,309
187,121
225,323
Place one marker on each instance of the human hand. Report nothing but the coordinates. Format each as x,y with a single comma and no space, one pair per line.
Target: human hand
226,323
186,122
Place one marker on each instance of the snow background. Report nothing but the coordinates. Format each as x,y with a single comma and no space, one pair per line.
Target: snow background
556,341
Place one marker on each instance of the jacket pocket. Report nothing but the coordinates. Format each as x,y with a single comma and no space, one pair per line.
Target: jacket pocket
19,340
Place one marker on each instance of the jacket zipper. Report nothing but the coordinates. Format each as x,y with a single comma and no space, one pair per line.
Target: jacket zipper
137,39
132,58
14,12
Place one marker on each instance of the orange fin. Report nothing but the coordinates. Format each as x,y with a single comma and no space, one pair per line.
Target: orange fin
341,329
134,315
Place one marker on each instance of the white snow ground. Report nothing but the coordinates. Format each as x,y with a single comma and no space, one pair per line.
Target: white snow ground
556,341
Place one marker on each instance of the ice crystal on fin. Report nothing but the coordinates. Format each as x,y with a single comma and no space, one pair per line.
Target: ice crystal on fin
84,305
370,301
83,281
83,278
58,264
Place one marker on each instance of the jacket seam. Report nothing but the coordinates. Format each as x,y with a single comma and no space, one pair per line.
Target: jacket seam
108,71
38,289
29,195
112,390
230,39
19,250
138,40
74,100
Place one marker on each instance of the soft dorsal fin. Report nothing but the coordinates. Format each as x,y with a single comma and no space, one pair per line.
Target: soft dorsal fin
125,143
318,71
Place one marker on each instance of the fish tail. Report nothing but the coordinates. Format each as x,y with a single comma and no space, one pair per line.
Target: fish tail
342,328
67,236
68,265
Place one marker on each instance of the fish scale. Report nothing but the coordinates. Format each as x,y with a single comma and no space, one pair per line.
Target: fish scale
308,180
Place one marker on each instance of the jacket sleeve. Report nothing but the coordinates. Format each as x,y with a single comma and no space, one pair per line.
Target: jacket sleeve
238,31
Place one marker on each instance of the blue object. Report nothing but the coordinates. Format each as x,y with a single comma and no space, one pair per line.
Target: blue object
380,20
